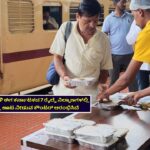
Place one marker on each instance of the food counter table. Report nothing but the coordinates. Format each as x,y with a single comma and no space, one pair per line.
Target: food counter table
138,137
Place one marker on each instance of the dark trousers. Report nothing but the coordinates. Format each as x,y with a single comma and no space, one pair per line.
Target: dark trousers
121,62
143,79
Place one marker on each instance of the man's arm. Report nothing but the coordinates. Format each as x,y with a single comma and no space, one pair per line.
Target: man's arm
123,81
53,22
133,97
139,94
61,70
103,76
102,86
106,26
133,33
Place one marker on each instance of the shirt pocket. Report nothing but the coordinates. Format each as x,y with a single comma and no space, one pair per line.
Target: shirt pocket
94,56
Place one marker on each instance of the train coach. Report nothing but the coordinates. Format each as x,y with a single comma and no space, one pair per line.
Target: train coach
25,40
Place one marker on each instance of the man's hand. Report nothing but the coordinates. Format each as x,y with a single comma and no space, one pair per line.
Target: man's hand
132,98
66,83
102,95
102,87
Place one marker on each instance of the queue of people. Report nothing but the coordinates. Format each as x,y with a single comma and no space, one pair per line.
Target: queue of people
141,13
89,52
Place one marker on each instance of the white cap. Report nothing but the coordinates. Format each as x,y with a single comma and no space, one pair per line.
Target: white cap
139,4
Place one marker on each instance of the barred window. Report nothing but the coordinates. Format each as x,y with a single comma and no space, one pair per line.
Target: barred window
73,11
52,15
111,9
101,16
20,16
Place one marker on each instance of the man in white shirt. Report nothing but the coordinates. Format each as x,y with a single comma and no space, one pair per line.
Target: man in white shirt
87,53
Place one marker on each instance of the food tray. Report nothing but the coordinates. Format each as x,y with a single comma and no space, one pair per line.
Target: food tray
108,106
83,122
82,81
118,97
101,133
114,102
145,102
114,143
121,132
66,139
62,126
97,146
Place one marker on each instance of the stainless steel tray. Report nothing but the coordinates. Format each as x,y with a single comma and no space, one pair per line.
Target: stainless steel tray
100,133
61,126
98,146
66,139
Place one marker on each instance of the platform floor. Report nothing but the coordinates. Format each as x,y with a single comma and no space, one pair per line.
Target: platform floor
15,126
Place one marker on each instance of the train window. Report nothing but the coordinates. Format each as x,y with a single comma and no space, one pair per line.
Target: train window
101,16
73,11
111,9
52,16
20,16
